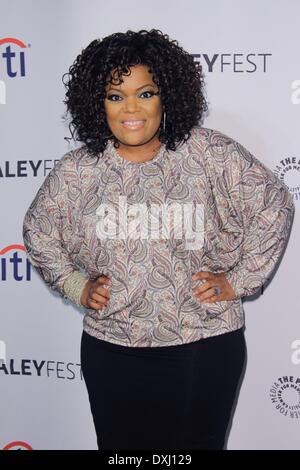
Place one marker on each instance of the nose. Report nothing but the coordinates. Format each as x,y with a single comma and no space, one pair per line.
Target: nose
130,104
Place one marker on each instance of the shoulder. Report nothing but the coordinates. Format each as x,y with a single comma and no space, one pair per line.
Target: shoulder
74,159
227,157
223,150
66,173
72,167
212,140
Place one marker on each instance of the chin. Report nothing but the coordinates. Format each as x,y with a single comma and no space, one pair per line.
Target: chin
133,140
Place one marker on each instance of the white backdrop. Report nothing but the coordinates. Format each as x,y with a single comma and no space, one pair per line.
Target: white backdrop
250,54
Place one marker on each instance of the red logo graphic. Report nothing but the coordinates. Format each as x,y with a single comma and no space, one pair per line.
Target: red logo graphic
13,59
12,41
12,264
17,445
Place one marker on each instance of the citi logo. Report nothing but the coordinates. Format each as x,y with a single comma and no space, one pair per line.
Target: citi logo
14,266
13,57
12,63
18,445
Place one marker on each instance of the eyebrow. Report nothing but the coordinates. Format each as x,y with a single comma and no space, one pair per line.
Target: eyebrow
143,86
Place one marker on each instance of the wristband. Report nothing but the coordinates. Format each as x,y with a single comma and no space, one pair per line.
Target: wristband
74,285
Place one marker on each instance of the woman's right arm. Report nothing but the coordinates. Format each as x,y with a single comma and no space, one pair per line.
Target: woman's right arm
43,227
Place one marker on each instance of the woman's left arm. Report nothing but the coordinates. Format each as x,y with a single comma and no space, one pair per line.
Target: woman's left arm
267,210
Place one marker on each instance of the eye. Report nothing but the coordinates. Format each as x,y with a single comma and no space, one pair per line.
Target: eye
148,93
111,97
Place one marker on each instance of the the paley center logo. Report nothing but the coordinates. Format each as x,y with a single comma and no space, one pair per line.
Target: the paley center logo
285,395
12,63
288,171
152,222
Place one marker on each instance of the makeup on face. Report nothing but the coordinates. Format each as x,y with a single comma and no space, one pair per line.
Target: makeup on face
133,110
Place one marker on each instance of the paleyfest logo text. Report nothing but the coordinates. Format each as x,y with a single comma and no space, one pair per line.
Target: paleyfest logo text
155,221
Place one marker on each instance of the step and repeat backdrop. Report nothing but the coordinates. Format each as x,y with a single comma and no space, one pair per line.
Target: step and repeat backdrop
249,51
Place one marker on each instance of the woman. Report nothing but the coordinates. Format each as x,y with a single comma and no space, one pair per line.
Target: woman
163,345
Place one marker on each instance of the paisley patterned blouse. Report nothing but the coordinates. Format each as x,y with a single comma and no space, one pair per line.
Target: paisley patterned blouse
246,215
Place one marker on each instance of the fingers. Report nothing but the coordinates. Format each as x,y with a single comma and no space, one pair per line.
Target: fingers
97,301
103,280
202,275
95,305
204,287
99,293
205,292
207,296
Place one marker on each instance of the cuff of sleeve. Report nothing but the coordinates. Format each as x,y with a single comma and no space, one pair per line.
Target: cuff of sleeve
74,285
243,282
234,280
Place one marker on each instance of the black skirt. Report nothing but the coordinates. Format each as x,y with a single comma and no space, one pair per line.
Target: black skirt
168,397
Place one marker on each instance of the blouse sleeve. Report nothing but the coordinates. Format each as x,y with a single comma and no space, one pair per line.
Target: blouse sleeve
43,226
267,209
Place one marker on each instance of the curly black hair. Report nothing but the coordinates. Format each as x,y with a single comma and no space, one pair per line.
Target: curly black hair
178,76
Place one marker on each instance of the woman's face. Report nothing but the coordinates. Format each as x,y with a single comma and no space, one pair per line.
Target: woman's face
133,112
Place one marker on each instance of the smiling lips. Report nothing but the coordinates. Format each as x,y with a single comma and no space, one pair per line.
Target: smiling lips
133,124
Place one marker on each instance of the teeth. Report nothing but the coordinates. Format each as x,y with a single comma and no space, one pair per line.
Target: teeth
132,123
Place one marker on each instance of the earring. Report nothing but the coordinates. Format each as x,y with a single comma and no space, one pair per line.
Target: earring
164,124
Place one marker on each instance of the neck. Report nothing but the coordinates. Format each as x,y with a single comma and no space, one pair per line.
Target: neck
140,152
